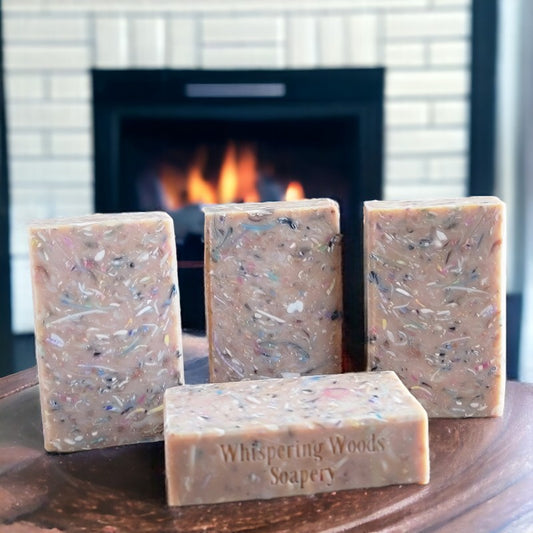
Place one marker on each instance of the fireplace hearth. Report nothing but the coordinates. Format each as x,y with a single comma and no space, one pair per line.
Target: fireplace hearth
174,140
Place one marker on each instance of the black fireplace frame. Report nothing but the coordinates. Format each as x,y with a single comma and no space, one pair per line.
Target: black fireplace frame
356,93
121,94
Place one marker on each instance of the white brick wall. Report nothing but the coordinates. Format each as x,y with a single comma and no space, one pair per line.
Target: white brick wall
148,42
428,24
405,54
26,144
407,113
221,30
32,57
24,87
267,56
453,53
22,311
110,44
26,173
427,83
302,41
51,29
75,87
451,112
426,141
363,41
50,47
182,40
71,144
331,41
406,170
49,115
447,168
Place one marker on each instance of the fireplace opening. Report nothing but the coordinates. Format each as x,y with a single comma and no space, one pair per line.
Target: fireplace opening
177,163
175,140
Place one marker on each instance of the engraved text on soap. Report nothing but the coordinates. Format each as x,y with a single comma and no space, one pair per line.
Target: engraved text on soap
282,459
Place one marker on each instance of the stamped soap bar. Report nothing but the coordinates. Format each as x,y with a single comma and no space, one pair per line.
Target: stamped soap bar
273,286
107,327
282,437
435,300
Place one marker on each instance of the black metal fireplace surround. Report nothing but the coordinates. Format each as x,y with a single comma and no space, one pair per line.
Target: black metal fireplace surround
322,127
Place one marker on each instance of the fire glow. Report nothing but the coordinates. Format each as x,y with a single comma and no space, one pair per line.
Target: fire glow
239,180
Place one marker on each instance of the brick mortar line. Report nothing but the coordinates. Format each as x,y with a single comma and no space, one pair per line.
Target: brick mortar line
198,39
381,37
63,131
427,155
259,11
389,41
426,127
52,157
72,71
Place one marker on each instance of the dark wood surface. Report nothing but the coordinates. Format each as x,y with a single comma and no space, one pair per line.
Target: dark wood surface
481,480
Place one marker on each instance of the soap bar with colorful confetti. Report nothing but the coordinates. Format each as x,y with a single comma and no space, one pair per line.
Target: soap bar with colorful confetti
435,300
273,286
107,327
261,439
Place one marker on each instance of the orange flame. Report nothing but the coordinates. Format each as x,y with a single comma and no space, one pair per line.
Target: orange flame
247,172
228,184
171,187
237,181
294,191
199,191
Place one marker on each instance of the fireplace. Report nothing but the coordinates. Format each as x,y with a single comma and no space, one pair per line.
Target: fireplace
174,140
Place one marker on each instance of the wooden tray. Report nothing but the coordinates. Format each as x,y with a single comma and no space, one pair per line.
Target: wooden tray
481,479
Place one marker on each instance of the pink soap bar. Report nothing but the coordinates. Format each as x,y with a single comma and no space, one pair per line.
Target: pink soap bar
260,439
273,289
107,327
435,300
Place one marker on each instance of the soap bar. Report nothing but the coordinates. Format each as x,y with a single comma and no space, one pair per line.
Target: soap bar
107,327
435,300
273,289
261,439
